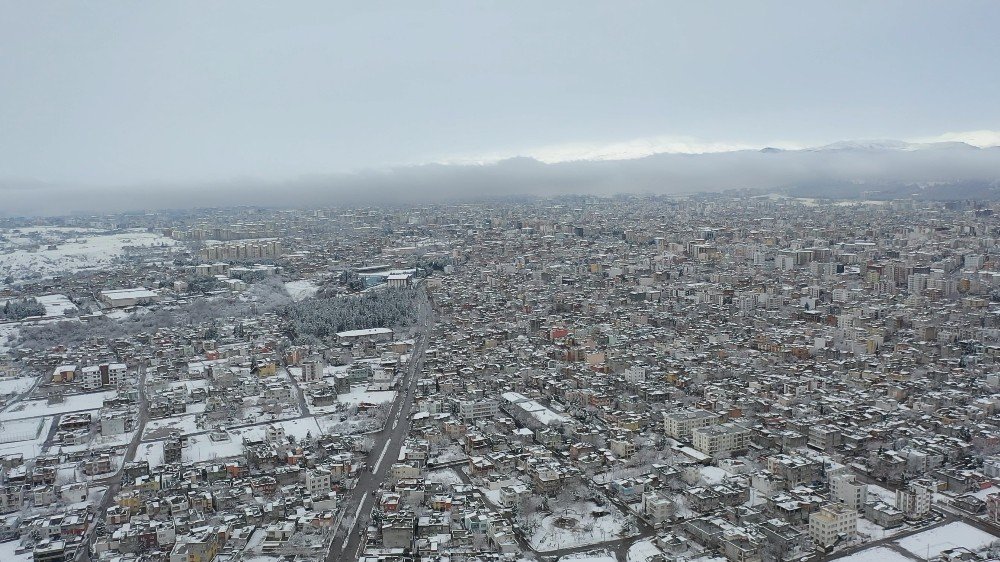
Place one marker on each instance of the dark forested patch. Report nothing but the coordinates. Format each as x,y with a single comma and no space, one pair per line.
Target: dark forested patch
19,309
312,320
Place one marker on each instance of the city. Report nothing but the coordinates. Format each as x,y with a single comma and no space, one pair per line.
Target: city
733,376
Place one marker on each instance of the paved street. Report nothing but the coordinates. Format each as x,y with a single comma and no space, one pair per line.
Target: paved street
348,540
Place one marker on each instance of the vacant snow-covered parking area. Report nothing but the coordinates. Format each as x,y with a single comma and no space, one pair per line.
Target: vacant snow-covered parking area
933,542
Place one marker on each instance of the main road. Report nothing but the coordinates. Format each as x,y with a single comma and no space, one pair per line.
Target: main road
348,540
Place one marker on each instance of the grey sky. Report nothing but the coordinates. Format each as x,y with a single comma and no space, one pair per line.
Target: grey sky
123,92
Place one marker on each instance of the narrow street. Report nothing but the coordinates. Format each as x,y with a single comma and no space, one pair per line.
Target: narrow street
114,482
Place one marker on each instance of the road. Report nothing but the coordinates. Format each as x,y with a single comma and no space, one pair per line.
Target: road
114,482
348,541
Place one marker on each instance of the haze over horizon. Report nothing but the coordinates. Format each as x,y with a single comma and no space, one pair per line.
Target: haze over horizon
118,104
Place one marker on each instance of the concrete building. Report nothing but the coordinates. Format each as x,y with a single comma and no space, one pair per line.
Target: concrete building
832,523
846,489
680,425
720,440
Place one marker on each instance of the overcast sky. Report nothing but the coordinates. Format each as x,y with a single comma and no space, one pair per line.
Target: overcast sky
124,92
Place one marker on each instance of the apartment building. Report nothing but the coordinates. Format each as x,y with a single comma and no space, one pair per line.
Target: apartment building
472,410
831,523
845,489
680,425
915,501
720,440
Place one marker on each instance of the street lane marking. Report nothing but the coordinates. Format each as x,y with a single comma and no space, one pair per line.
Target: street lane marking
382,456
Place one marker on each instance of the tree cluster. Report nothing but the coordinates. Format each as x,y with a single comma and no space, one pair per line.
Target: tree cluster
312,320
21,308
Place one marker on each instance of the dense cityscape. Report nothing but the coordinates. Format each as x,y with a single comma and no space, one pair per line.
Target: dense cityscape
718,377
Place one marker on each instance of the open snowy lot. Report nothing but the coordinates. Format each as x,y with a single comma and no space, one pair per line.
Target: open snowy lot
359,394
933,542
590,557
642,551
575,524
879,553
8,333
162,427
201,448
56,305
25,444
447,476
16,385
74,249
70,403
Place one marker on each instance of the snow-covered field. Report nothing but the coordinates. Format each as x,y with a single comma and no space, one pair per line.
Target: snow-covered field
71,403
15,385
298,427
201,448
359,394
151,452
30,448
162,427
933,542
883,494
21,430
75,249
56,305
301,290
879,554
588,557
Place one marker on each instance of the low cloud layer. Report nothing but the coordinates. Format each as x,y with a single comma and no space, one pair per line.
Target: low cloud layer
943,170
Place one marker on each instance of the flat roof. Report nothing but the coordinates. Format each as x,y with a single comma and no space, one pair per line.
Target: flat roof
136,293
367,332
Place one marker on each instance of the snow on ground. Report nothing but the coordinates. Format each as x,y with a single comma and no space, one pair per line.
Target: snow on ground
7,550
449,454
933,542
82,251
297,427
201,448
714,475
8,333
116,440
16,385
602,556
875,532
447,476
360,394
162,427
888,496
30,448
879,553
151,452
301,290
492,495
642,551
189,385
586,527
70,403
56,305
